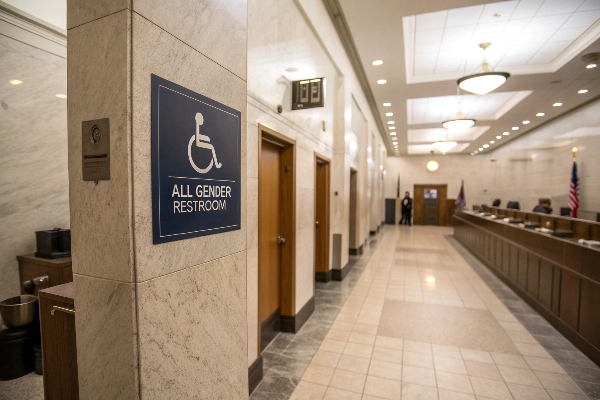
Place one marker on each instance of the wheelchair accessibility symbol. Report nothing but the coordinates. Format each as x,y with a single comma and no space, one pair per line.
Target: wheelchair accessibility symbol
202,141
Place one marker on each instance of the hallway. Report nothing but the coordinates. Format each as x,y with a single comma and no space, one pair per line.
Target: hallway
420,318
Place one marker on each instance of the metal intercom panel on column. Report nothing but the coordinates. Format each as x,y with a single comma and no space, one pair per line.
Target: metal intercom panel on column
95,150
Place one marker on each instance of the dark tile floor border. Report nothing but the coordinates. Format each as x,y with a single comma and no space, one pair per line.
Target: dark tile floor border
583,370
288,356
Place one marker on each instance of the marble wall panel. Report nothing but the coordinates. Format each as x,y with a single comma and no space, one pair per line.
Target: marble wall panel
251,150
305,275
106,338
192,332
98,83
186,67
252,219
215,28
34,182
252,303
80,12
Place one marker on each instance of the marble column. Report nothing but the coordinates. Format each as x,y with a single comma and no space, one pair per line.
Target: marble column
161,321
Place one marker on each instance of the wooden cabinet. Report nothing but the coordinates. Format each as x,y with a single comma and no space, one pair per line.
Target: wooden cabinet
59,350
58,270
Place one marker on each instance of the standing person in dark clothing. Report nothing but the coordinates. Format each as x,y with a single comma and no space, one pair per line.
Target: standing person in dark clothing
406,205
543,206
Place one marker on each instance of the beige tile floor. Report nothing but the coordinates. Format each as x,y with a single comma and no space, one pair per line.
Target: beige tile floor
401,334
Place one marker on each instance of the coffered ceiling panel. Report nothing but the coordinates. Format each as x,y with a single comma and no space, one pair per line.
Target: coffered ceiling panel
434,134
528,36
440,109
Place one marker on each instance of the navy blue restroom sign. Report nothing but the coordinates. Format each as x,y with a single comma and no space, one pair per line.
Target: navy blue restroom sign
196,167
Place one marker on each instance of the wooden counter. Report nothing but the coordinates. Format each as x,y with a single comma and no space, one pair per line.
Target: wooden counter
59,350
558,277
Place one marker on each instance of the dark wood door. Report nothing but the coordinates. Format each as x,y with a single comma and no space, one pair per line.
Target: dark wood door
321,216
353,234
269,216
419,204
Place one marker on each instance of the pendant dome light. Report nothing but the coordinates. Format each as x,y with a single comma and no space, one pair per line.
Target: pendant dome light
486,80
459,122
445,144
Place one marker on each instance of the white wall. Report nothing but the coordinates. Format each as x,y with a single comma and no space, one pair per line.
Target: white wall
285,34
535,165
34,186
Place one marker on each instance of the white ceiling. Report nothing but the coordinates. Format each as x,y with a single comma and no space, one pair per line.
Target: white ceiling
528,37
427,45
51,11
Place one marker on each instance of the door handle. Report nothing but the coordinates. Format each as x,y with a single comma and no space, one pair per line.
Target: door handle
280,240
317,223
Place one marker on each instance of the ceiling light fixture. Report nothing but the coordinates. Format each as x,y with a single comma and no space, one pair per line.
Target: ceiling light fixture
393,133
481,149
485,146
433,166
445,144
459,123
582,91
556,104
505,133
492,142
515,128
484,81
590,66
526,122
391,122
387,104
377,62
15,82
540,114
389,114
381,81
61,96
392,127
498,137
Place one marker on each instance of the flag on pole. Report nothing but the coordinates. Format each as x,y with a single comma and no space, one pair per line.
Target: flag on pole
574,190
461,202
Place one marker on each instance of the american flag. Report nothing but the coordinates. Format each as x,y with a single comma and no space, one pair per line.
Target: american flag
461,202
574,192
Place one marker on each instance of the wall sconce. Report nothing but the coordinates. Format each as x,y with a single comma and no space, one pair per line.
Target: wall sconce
284,92
433,166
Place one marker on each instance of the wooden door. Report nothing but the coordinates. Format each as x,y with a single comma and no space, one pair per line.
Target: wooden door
269,214
321,216
419,204
353,210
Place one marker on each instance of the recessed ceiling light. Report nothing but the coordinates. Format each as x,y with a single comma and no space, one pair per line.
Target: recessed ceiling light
540,114
492,142
582,91
505,133
391,122
515,128
15,82
476,151
590,66
481,149
498,137
389,114
382,81
557,104
291,69
387,104
61,96
485,146
392,127
369,160
377,62
393,133
526,122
